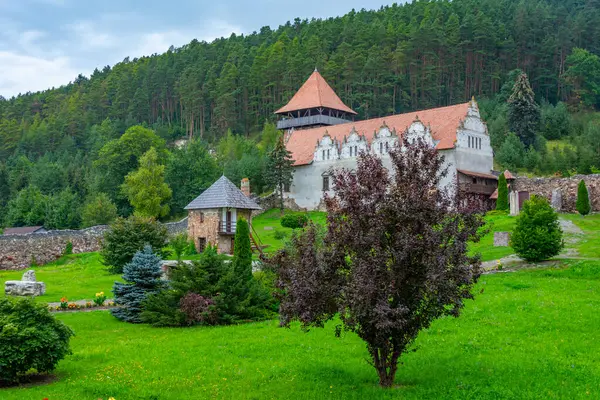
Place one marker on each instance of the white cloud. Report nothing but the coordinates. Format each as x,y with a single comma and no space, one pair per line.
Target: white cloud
32,60
20,73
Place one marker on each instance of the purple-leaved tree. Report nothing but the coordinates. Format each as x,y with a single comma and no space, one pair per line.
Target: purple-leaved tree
394,256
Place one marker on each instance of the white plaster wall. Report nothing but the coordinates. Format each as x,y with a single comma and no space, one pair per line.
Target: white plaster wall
307,185
473,158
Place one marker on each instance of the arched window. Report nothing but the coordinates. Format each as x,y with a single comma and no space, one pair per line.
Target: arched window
387,147
381,148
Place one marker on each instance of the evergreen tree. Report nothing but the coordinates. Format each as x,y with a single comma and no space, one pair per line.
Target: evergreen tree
146,188
523,112
502,200
511,152
280,169
583,199
241,296
143,277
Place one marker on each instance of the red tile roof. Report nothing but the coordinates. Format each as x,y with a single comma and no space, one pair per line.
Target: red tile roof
315,92
508,175
443,121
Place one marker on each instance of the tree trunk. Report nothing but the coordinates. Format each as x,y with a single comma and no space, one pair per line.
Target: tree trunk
385,361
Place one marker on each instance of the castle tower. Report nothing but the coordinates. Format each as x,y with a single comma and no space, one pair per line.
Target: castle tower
315,104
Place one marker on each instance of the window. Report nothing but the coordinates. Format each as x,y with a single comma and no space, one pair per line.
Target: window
328,154
355,150
325,183
381,148
201,244
387,147
474,180
469,141
201,217
286,187
323,155
351,148
479,143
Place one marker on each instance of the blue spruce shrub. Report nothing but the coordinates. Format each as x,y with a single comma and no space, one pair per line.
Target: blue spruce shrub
143,277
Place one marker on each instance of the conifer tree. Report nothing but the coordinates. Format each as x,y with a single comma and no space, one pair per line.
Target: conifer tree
143,277
241,296
523,112
280,169
583,199
502,200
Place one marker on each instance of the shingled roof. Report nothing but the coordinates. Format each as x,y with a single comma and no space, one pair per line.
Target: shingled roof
315,93
222,193
444,122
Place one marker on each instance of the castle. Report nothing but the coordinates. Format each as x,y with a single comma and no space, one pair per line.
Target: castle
321,135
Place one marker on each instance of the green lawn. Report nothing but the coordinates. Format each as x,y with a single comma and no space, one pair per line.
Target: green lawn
528,335
79,277
268,224
588,245
494,223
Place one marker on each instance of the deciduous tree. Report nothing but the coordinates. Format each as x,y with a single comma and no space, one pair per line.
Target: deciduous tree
146,188
394,257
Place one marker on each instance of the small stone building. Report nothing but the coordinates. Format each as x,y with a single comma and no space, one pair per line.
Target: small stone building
213,216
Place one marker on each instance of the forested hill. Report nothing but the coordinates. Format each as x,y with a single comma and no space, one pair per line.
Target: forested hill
396,59
65,147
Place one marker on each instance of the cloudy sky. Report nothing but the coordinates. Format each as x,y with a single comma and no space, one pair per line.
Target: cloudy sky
46,43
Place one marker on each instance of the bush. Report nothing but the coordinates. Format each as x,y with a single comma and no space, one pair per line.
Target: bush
179,244
128,236
583,199
200,277
294,221
212,290
143,275
198,309
30,339
280,235
68,249
537,235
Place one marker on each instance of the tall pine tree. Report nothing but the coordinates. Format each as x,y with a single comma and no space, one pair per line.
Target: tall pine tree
280,169
523,112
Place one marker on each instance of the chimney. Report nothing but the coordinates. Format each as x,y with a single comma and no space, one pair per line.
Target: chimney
245,187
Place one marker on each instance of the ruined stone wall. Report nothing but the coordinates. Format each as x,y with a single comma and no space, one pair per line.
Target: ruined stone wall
567,186
21,251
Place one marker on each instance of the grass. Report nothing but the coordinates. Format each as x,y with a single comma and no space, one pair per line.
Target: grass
495,223
78,276
528,335
588,245
268,224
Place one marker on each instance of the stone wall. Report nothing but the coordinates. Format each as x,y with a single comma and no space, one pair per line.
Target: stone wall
21,251
566,186
204,224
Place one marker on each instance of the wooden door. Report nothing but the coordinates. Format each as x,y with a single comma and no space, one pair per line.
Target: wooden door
228,221
523,197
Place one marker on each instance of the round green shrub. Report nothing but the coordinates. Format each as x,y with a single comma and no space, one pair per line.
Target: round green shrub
537,235
294,221
30,339
128,236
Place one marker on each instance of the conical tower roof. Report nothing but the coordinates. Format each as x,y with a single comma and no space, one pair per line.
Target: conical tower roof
315,93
